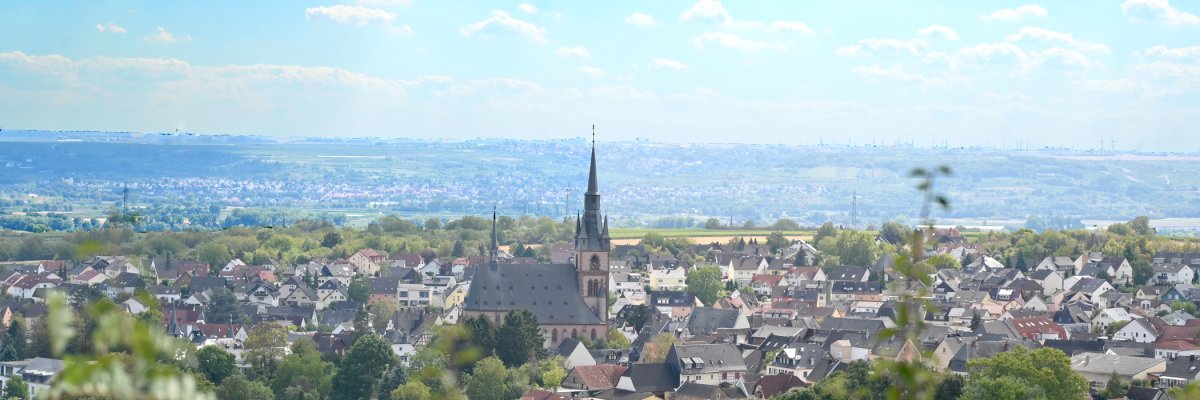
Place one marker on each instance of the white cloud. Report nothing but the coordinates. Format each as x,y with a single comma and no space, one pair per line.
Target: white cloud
577,51
110,27
501,23
713,11
733,41
591,71
344,14
939,31
1060,37
161,35
1014,14
384,3
897,73
1158,10
793,26
641,20
913,46
663,63
1165,52
707,10
528,8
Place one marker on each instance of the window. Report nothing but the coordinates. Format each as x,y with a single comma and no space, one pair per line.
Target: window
404,293
424,295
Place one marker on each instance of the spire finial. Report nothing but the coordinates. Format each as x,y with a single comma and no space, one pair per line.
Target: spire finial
592,186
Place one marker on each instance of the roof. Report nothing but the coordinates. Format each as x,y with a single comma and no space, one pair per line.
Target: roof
846,273
776,384
707,320
550,291
705,358
600,376
856,287
1042,274
654,377
1144,393
1101,363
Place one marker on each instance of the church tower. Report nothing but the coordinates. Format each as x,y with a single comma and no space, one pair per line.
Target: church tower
592,245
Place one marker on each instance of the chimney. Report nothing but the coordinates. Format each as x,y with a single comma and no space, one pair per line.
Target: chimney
1087,360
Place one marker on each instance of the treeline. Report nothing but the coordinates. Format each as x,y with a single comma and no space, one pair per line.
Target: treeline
298,242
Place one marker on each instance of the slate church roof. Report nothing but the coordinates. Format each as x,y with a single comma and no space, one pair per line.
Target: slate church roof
550,291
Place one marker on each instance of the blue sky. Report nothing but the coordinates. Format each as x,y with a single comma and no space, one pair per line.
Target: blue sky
1061,73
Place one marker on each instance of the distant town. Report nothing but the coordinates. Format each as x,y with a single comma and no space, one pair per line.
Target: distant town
518,307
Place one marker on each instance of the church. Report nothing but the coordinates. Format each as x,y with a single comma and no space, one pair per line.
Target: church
569,300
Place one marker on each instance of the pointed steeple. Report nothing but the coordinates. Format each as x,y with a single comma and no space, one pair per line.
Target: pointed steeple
173,327
593,187
495,238
604,233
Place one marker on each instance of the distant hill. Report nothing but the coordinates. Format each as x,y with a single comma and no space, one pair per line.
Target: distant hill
643,184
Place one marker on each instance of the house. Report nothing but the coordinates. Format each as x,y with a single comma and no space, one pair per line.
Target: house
1179,371
1064,265
1171,274
673,303
90,277
762,284
744,268
654,378
592,378
668,279
1139,330
774,385
1098,368
367,261
849,273
1050,280
1038,328
1173,349
798,360
710,364
574,353
38,373
338,270
302,296
709,321
1109,316
124,284
802,274
413,294
848,291
384,288
700,391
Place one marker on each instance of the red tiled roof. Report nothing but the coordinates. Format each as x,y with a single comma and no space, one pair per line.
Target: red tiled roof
600,377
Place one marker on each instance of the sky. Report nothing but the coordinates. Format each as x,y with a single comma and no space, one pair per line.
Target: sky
1117,74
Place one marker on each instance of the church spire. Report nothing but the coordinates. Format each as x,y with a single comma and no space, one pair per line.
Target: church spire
495,239
593,187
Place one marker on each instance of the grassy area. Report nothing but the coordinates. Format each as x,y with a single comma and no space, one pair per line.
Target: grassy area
634,233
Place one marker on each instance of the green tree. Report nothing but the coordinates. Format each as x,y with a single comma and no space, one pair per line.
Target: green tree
785,224
224,308
303,371
976,322
359,290
489,381
712,223
215,363
240,388
263,351
949,387
656,350
482,334
552,378
1141,226
433,224
14,346
459,248
894,233
331,240
393,379
941,261
414,390
1114,388
362,368
637,316
850,248
1043,373
776,241
826,230
705,283
520,339
213,253
16,388
617,340
382,311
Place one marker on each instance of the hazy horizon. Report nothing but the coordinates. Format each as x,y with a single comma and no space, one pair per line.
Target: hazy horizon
994,74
